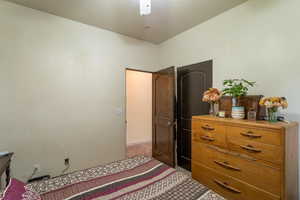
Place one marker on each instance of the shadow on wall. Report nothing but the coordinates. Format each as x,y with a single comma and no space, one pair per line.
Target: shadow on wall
261,6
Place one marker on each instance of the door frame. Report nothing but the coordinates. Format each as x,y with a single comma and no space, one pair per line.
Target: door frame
137,70
152,120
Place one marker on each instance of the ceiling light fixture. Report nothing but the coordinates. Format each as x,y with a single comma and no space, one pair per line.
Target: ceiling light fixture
145,7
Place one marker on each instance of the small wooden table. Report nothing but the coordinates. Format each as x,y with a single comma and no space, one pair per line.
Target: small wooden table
5,166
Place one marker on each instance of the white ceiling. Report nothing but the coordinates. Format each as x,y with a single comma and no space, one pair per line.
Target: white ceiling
168,18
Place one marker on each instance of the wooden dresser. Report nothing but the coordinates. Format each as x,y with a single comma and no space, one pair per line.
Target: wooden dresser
246,160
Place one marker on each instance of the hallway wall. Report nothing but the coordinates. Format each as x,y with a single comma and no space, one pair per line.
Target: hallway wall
138,107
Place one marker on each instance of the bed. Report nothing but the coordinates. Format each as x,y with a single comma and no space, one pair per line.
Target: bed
137,178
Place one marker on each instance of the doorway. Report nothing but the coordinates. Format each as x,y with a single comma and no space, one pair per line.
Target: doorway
138,113
155,121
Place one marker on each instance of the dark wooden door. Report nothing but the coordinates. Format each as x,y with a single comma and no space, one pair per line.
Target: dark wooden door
192,81
163,134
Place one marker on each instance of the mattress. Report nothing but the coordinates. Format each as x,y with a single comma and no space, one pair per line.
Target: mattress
138,178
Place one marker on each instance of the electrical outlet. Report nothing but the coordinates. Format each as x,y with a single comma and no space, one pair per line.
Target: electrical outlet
37,167
67,161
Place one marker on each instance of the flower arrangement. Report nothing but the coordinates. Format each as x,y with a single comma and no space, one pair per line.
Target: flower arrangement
212,95
272,104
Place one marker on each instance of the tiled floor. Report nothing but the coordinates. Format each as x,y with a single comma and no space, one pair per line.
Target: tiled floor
139,149
184,171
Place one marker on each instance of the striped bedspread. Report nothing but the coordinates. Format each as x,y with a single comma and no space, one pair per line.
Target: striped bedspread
138,178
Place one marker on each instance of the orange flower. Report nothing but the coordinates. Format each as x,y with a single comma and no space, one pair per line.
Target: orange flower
211,95
274,102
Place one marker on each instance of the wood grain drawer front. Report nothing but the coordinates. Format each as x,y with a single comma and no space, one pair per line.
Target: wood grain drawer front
210,127
257,150
257,135
229,187
209,133
252,172
218,139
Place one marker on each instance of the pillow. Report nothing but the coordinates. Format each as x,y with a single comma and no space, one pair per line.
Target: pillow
16,190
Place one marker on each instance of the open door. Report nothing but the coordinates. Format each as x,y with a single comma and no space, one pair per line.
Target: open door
163,129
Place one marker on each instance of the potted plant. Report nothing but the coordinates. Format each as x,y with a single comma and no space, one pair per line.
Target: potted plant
272,104
212,96
237,88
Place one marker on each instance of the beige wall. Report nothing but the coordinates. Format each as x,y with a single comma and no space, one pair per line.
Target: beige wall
62,82
62,90
139,107
258,40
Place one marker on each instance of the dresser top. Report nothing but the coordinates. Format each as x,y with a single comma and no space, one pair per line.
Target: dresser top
259,123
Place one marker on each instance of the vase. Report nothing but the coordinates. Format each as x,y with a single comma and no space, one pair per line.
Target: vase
212,111
272,114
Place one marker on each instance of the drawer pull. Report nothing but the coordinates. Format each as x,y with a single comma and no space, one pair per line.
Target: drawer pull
250,134
250,148
208,128
207,138
226,186
227,165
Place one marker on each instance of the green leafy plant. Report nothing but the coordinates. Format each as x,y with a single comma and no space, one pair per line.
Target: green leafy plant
237,87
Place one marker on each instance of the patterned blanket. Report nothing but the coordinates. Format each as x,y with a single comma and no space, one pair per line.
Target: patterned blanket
138,178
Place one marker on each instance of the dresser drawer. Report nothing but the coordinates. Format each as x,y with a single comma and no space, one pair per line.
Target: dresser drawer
206,126
209,133
257,150
257,135
250,171
227,186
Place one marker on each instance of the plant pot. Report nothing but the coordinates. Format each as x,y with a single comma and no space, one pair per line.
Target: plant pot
238,112
234,102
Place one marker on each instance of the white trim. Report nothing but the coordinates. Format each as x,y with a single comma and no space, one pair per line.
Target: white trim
138,142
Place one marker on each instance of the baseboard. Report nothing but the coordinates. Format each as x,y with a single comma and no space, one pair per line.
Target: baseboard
138,142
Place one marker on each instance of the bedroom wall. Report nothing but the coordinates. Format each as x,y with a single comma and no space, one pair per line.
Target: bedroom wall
138,107
62,89
258,40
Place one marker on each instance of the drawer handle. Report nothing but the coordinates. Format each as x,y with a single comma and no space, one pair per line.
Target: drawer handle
250,134
250,148
208,128
207,138
226,186
227,165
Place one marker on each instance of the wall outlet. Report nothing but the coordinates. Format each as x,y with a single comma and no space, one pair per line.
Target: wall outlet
37,167
67,161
